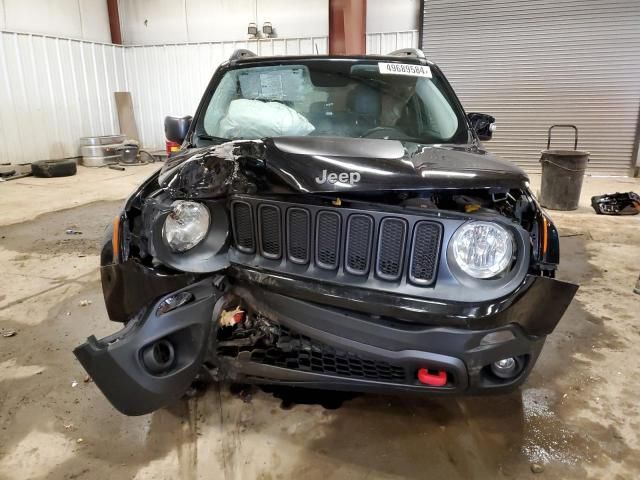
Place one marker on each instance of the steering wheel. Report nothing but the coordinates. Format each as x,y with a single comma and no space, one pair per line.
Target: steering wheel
379,132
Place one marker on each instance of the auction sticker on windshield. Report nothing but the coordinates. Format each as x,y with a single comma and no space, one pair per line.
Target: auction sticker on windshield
404,69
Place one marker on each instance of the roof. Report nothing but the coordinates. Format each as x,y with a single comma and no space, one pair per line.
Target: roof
244,57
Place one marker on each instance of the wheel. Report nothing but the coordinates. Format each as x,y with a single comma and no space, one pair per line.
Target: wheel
53,168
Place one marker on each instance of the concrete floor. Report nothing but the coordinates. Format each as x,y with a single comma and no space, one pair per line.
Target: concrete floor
577,416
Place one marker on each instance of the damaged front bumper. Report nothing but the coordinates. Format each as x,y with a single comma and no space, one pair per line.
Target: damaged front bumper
138,379
314,340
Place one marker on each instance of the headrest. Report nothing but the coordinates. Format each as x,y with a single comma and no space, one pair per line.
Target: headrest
364,100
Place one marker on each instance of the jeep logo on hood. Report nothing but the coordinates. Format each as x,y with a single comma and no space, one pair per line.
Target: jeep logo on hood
332,177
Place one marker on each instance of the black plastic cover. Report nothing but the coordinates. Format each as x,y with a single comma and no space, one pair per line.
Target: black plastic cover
115,362
176,128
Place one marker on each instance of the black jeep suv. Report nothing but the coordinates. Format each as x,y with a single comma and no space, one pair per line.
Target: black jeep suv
333,223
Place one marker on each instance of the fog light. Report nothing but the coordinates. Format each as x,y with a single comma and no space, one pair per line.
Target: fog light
505,368
159,357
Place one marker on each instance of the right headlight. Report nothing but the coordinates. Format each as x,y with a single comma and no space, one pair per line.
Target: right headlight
186,225
482,249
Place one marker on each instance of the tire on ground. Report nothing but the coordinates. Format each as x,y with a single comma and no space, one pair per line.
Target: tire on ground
53,168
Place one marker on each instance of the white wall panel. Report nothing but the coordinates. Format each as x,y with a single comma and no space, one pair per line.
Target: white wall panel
219,20
309,18
54,91
396,16
148,22
81,19
95,21
153,21
386,42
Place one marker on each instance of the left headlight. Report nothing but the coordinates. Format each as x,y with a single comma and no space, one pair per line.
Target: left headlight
482,249
186,225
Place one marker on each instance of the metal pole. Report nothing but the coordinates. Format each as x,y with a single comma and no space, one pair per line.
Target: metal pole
347,27
114,22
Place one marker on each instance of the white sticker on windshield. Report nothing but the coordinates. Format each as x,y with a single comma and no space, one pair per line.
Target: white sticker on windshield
404,69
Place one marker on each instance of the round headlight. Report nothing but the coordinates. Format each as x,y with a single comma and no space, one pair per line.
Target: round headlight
482,249
186,225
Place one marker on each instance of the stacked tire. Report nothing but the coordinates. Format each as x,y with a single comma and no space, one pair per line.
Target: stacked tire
54,168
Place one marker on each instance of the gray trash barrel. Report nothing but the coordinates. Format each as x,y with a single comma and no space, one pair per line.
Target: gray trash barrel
562,174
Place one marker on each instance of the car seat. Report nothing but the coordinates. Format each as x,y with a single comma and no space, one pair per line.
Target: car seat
363,103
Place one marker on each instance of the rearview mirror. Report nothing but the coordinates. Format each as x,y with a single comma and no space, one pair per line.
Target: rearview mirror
176,128
484,125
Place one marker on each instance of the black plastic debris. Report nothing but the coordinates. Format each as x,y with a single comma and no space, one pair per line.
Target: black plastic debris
616,203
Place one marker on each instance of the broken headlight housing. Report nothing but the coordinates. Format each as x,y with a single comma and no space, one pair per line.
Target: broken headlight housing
186,225
482,249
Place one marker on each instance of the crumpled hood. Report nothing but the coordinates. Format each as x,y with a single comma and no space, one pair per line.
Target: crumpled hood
333,164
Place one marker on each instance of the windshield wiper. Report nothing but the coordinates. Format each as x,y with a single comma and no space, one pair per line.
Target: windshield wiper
211,138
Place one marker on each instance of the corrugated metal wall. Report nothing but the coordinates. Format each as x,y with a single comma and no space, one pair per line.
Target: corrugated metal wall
532,64
54,91
386,42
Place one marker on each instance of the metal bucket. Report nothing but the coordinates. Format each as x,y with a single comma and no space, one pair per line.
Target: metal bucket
129,154
562,174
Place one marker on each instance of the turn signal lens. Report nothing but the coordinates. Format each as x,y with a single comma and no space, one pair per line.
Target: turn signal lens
115,239
173,302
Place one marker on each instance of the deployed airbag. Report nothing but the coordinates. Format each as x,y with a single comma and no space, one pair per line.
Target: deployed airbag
257,119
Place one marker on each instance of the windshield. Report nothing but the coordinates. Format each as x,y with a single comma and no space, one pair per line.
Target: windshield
367,99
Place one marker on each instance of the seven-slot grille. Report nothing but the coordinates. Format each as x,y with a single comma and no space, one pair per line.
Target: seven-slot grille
387,246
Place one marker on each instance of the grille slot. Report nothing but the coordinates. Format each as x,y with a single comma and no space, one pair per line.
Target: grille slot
306,354
328,231
391,243
270,228
359,241
298,235
424,252
243,227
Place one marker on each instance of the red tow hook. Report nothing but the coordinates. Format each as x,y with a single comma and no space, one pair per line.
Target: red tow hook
433,380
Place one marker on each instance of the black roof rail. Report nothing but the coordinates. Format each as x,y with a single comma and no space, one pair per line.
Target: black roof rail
241,53
408,52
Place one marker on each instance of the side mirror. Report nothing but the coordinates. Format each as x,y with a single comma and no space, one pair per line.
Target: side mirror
484,125
176,128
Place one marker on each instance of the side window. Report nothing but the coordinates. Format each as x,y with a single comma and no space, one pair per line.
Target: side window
219,104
